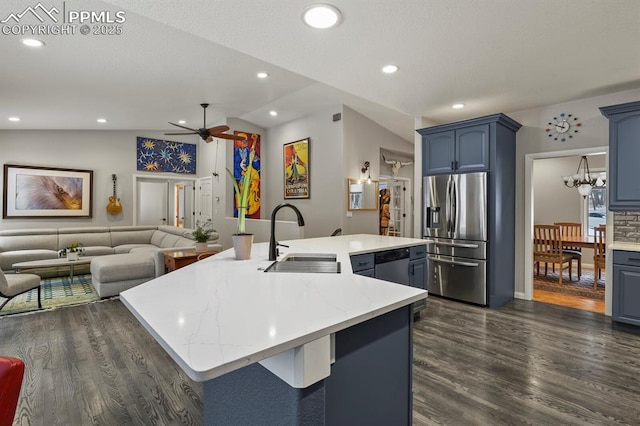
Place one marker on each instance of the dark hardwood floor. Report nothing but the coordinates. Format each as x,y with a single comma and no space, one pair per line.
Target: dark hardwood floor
528,363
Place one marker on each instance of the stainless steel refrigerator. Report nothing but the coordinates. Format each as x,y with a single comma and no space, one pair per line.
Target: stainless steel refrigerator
455,227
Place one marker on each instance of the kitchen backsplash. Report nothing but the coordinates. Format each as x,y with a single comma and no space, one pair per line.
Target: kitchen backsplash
626,227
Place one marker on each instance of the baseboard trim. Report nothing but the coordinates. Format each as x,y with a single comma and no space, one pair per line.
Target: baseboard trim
519,295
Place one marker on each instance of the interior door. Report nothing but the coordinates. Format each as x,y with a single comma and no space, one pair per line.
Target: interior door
152,202
204,200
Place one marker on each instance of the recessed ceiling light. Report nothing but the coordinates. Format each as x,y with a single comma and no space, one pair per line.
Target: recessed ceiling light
457,106
321,16
262,75
102,120
32,42
389,69
181,122
14,118
273,113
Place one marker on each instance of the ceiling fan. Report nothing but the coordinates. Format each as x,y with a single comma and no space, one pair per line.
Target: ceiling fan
207,134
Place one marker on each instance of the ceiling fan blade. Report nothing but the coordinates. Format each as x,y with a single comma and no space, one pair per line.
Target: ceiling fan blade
183,127
230,137
217,129
190,133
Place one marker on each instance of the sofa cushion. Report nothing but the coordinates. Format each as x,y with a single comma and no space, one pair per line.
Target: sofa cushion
121,267
22,241
124,237
8,258
130,248
91,239
98,250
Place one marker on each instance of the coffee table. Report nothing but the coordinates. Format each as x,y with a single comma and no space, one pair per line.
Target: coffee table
52,263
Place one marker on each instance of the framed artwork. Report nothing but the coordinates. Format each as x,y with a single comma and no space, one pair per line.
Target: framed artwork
241,150
157,155
296,169
31,191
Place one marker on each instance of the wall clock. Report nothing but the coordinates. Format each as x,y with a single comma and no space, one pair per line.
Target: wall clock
563,127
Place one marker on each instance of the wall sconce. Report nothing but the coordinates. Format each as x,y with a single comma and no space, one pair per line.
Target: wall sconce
366,170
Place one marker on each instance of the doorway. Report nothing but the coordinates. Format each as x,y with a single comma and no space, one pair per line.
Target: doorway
395,205
547,201
164,201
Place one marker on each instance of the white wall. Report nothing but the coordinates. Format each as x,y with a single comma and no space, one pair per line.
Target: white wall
322,212
363,140
532,138
104,152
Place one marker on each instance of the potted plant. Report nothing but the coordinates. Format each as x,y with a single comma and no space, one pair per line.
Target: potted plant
201,234
242,240
72,251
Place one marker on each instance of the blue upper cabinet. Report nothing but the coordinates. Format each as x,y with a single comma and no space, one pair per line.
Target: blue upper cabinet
462,147
439,152
623,181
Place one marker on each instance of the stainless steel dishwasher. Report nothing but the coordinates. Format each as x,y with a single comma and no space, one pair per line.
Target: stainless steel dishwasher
393,265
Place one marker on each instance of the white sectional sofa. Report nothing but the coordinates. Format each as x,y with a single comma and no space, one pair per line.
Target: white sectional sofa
126,255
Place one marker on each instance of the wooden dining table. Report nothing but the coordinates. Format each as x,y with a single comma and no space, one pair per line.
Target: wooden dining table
579,241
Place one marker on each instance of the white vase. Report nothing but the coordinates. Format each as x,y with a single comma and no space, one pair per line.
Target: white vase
73,255
242,245
201,247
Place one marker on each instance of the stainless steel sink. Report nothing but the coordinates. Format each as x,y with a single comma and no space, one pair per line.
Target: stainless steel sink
310,257
306,263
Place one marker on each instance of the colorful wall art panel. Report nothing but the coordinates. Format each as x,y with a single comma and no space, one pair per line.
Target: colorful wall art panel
241,151
296,169
157,155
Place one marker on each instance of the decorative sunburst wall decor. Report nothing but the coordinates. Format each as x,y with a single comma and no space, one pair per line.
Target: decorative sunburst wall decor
157,155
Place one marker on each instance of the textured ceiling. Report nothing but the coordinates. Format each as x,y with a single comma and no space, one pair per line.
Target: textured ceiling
492,55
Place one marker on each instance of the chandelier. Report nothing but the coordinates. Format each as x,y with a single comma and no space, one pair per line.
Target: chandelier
584,181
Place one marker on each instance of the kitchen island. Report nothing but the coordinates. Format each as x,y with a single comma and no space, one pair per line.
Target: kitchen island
287,348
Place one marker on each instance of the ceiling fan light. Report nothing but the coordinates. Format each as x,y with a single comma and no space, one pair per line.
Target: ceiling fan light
321,16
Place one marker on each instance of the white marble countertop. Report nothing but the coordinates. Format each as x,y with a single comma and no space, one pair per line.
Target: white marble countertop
624,246
221,314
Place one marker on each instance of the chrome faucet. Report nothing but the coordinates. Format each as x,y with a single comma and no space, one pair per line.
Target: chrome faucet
273,244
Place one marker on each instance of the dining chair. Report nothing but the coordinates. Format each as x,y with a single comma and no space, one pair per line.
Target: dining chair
547,248
12,285
599,252
572,229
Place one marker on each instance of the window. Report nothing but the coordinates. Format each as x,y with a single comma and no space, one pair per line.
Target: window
595,210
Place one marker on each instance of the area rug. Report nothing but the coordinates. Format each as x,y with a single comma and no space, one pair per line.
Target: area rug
56,292
583,288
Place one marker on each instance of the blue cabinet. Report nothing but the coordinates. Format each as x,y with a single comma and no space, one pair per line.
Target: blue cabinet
623,187
461,150
410,270
626,287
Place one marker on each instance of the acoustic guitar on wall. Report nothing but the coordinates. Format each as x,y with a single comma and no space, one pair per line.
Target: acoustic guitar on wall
114,206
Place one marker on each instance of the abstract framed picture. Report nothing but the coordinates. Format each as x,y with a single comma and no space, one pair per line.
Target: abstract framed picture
158,155
31,191
296,169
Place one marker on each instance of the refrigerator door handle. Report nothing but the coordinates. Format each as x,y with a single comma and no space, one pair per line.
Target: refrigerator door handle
460,245
454,208
448,204
453,262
